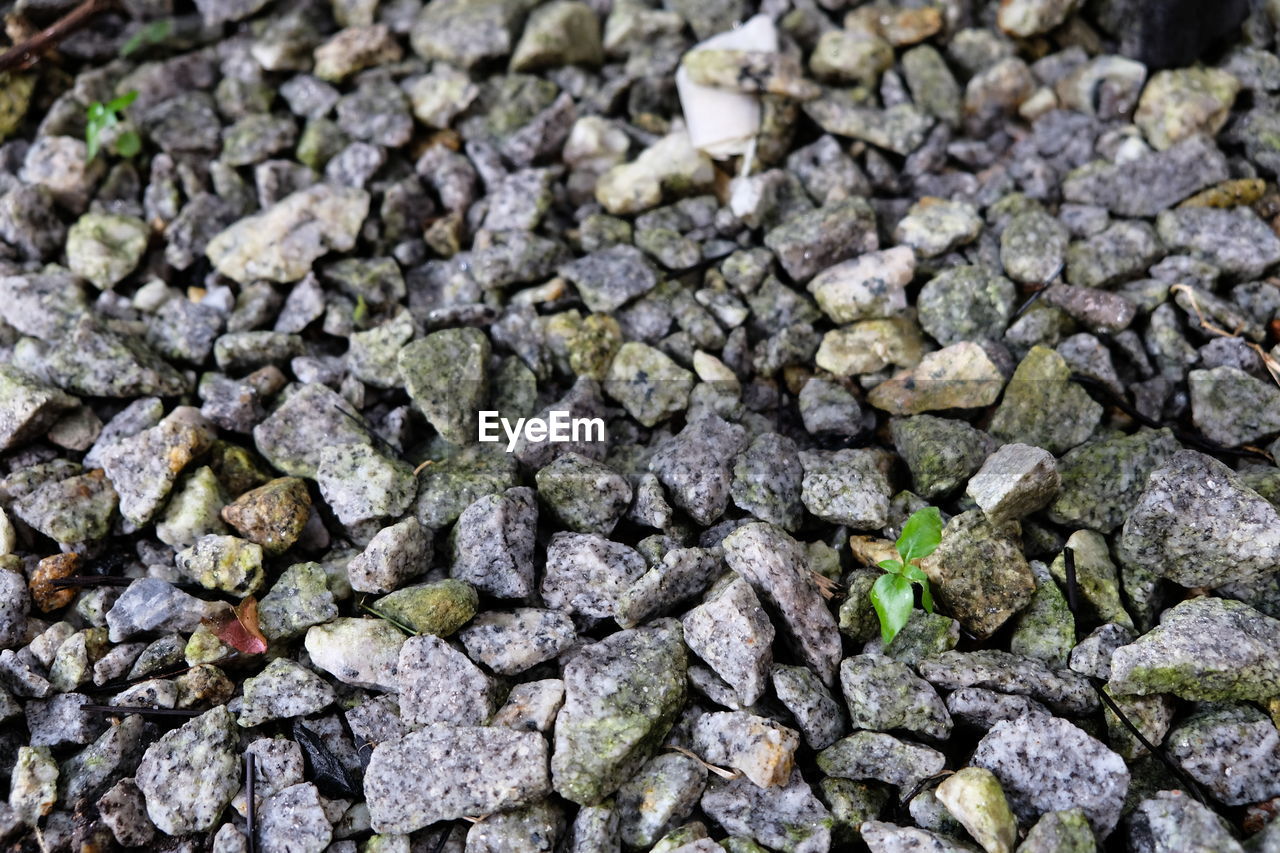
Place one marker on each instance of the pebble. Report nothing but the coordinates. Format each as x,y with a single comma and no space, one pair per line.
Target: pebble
510,643
1014,482
767,481
960,376
272,515
362,652
393,556
880,756
308,423
1181,102
225,563
294,820
647,383
298,599
360,484
696,466
845,487
151,604
493,544
761,749
811,242
583,494
788,818
444,375
283,690
664,792
1174,820
1062,690
190,774
1043,408
885,695
143,468
731,632
1233,752
439,685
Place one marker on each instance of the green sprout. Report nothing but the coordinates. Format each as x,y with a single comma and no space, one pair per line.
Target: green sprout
892,594
100,117
153,33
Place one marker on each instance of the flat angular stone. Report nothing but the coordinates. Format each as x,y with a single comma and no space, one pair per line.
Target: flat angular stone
438,684
777,567
308,422
787,818
124,810
760,748
845,487
1233,239
767,479
29,408
818,715
961,376
284,689
294,821
474,770
1197,524
536,828
191,773
810,242
1231,407
77,509
696,466
609,278
1102,481
272,515
493,544
732,633
298,599
875,755
1043,408
982,708
1014,482
361,484
1150,183
1063,690
941,453
867,287
439,608
664,791
395,555
681,574
881,837
647,383
532,706
445,375
1234,752
225,563
1204,649
585,495
510,643
144,467
621,696
883,694
60,721
151,604
1173,820
363,652
979,574
1048,764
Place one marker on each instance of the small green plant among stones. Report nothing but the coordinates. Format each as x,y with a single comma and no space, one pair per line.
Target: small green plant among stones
99,117
153,33
892,594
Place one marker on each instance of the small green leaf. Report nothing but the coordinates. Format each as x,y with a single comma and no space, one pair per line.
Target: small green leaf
360,315
153,33
893,599
926,597
915,573
921,534
891,566
91,133
115,105
128,144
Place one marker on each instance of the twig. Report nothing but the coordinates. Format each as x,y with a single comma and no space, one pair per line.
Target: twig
26,53
121,684
719,771
1073,599
92,580
251,805
141,709
1269,362
373,436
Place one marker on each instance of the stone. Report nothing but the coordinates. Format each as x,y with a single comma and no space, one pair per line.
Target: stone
818,715
493,543
879,756
808,243
960,376
777,568
531,706
981,708
1150,183
151,604
760,748
731,632
1062,690
788,818
940,453
1124,250
1025,18
1230,407
294,820
621,696
883,694
1234,752
281,243
881,837
33,789
361,484
30,407
1234,240
845,487
565,32
191,773
648,383
1102,481
662,793
77,509
1047,764
353,49
439,685
974,797
510,643
678,575
1178,103
869,346
669,167
283,690
225,563
143,468
439,608
1043,408
362,652
1033,247
394,555
767,479
900,129
272,515
978,574
966,304
309,422
586,573
298,599
61,720
61,165
696,466
1173,820
850,56
1178,527
464,34
445,376
1204,649
872,285
474,770
124,811
584,495
935,226
1014,482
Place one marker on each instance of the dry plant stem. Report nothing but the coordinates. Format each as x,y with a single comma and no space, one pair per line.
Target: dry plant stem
28,53
719,771
251,806
1273,366
122,710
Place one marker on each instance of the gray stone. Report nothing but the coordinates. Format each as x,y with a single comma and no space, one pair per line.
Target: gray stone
879,756
940,453
445,376
982,708
610,278
1199,525
124,811
1151,182
284,689
767,480
465,33
1123,251
363,652
1173,820
1232,408
680,574
787,818
777,567
664,792
474,771
1043,408
883,694
298,599
881,837
1234,752
1102,481
151,604
1206,649
761,749
532,706
190,774
439,685
586,496
696,466
449,486
621,696
1233,239
846,487
732,633
900,129
1032,247
281,243
361,484
808,243
1047,764
935,226
1014,482
396,554
293,820
493,544
30,407
60,721
308,423
870,286
648,383
1062,690
510,643
979,574
586,574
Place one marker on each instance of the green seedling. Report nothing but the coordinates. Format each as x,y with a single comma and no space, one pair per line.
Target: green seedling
100,117
892,594
153,33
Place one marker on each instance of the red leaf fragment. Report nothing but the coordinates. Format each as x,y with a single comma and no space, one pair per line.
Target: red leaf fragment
238,627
